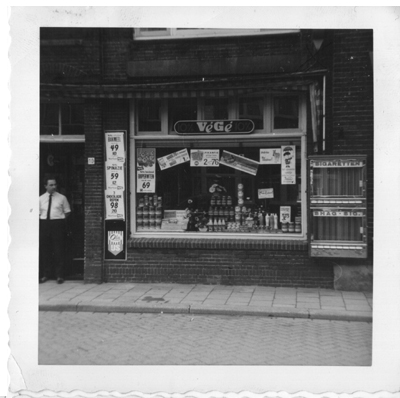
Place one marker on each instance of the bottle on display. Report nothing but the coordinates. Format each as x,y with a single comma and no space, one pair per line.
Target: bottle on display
261,219
267,221
275,221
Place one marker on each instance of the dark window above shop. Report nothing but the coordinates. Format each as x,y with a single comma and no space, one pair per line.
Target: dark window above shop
61,119
269,112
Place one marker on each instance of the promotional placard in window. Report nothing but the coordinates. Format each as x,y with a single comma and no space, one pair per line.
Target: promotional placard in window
270,155
239,163
204,158
115,176
173,159
288,157
267,193
285,214
115,209
146,170
115,147
288,165
288,177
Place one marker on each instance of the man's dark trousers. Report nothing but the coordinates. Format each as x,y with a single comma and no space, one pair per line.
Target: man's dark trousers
52,235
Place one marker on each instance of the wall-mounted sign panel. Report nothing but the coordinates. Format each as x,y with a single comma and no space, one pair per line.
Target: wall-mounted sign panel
187,127
115,196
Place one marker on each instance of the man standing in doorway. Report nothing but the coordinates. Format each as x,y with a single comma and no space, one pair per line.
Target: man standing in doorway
54,210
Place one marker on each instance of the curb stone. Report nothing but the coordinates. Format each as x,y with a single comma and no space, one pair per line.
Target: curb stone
195,309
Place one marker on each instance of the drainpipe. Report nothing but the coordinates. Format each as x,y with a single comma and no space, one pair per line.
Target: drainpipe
323,113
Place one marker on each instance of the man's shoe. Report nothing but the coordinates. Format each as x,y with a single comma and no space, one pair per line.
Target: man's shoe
60,280
43,280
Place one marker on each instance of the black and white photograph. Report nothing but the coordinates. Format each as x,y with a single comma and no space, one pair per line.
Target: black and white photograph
211,200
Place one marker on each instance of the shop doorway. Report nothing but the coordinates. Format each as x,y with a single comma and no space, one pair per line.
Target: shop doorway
66,162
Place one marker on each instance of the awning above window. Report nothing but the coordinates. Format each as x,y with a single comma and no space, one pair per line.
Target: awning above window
187,89
203,88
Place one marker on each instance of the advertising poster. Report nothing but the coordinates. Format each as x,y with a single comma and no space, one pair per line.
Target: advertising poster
115,176
288,165
239,163
285,214
288,157
270,155
288,177
204,158
173,159
115,209
115,147
266,193
146,170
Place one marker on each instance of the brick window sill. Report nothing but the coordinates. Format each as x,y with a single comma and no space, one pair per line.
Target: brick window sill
224,244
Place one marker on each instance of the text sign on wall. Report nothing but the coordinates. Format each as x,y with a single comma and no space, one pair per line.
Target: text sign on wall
243,126
115,147
337,213
337,163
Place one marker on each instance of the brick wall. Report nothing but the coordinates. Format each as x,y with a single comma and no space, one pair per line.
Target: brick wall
70,55
94,197
352,128
115,49
217,56
227,262
227,267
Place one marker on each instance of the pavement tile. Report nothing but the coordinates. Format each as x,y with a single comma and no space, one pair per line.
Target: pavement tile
308,305
239,298
358,308
308,299
355,302
214,302
261,303
239,303
333,307
283,305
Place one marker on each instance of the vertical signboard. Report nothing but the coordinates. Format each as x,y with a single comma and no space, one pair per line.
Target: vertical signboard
115,196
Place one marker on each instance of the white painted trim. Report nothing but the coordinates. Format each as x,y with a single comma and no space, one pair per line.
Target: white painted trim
62,139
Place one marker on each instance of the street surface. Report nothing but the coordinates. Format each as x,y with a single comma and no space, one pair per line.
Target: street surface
85,338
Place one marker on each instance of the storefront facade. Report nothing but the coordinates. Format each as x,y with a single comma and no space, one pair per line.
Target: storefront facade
198,145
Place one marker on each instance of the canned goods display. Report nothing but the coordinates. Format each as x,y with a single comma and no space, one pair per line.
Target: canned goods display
285,227
291,227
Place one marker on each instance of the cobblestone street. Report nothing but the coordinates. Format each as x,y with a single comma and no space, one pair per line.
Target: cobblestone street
84,338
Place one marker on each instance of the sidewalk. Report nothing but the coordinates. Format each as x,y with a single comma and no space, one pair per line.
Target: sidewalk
206,299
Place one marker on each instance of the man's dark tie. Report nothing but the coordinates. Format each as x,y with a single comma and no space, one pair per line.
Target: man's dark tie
48,209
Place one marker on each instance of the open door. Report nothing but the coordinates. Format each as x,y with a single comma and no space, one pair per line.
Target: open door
66,162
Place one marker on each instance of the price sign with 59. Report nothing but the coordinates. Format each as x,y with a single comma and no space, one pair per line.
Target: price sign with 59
115,177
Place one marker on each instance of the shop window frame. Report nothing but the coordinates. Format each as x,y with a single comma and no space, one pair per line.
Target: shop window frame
189,142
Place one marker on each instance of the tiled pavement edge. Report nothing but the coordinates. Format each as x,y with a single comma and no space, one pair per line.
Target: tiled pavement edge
206,299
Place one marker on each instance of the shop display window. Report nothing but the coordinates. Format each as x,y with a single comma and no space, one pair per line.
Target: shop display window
222,188
286,112
181,109
149,118
215,109
252,108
